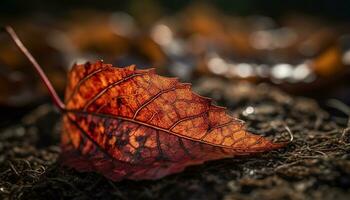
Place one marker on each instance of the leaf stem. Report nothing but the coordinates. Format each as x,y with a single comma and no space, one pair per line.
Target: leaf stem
55,98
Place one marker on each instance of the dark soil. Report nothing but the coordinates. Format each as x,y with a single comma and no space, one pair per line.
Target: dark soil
315,165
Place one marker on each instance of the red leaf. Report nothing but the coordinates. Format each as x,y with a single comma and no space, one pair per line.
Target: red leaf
128,123
134,124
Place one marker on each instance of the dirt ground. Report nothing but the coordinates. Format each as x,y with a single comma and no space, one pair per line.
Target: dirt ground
315,165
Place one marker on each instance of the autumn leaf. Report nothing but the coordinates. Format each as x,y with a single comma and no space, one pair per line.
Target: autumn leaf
134,124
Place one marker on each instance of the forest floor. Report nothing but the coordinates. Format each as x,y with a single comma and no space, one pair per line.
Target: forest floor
315,165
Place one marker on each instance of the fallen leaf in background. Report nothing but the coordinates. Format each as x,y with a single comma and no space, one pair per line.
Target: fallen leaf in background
133,124
300,54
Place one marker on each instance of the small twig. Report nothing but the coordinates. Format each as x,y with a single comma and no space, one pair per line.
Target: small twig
317,151
290,133
309,157
335,103
344,132
4,172
56,100
13,168
287,165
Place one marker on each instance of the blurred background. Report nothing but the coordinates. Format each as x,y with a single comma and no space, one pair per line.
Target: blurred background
301,47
